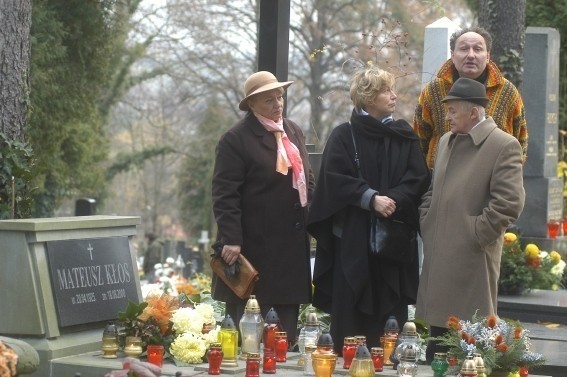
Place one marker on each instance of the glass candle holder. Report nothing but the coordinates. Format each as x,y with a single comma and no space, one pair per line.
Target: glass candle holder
281,346
110,341
269,362
323,363
349,349
155,354
214,357
479,363
308,367
553,229
388,343
251,327
468,369
228,338
253,365
271,326
133,347
439,365
362,364
377,355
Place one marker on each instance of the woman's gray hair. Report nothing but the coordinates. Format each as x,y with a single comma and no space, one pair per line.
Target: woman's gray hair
367,82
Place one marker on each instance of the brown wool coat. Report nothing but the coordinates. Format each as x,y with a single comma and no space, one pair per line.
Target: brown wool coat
257,207
476,192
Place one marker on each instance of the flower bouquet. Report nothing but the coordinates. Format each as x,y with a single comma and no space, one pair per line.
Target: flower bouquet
184,325
531,268
149,320
195,329
504,345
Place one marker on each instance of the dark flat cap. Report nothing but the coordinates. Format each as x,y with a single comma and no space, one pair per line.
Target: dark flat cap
467,90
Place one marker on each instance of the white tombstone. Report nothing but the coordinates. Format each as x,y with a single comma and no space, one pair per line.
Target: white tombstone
436,48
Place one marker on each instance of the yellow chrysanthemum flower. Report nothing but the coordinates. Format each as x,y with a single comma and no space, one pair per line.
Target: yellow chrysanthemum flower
510,237
532,250
555,257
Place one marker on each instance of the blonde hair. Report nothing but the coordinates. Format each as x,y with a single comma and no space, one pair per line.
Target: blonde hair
367,82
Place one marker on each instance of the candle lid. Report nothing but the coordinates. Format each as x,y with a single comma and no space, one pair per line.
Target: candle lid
252,305
362,352
391,325
227,323
311,317
272,316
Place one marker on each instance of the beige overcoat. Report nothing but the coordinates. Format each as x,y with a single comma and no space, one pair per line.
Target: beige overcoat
476,192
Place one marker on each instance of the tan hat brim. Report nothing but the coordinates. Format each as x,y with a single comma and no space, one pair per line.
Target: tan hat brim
243,105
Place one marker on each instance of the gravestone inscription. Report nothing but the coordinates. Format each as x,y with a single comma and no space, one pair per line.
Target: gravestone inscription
91,279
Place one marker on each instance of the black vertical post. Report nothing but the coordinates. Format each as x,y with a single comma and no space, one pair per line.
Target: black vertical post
273,37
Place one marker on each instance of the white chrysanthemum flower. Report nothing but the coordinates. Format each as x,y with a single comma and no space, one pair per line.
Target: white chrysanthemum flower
558,268
207,312
189,348
212,336
187,320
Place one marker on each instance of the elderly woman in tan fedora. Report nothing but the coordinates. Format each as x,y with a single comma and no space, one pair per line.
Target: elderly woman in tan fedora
261,185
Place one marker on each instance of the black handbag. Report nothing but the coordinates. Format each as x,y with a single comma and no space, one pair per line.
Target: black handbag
392,239
389,239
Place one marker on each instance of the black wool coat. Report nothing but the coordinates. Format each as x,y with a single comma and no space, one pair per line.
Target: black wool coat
348,283
256,207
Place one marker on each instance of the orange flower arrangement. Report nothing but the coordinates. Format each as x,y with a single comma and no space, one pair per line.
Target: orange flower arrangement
159,310
503,344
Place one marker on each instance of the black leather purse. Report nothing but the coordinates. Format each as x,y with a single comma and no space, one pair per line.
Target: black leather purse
389,239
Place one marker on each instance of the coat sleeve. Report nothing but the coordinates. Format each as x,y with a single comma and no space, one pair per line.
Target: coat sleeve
507,195
338,185
413,183
228,177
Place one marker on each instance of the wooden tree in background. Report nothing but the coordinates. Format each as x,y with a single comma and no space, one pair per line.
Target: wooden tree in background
15,18
505,20
16,160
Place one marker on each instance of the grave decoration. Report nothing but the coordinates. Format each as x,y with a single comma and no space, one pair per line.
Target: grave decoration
184,326
528,268
504,345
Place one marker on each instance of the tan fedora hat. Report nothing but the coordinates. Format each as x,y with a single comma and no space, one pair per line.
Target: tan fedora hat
259,82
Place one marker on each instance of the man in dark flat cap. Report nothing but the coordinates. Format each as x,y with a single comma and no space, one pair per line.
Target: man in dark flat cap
476,192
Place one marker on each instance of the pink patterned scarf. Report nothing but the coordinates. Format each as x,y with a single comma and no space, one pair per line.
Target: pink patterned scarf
287,156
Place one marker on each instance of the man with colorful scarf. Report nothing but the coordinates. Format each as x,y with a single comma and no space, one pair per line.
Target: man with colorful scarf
470,58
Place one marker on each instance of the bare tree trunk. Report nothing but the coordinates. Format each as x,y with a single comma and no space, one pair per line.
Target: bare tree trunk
505,20
15,18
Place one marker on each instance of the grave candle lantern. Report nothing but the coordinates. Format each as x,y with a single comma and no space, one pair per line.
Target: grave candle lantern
323,358
228,338
362,365
251,327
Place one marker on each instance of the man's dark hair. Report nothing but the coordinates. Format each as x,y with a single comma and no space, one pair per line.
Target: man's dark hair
476,29
150,236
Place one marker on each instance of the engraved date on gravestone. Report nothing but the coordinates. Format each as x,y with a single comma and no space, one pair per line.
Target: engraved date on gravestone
91,279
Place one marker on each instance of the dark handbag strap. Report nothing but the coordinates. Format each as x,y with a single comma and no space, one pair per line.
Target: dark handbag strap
356,158
384,179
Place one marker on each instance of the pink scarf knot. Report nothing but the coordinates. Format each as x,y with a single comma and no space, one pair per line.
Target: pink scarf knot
287,156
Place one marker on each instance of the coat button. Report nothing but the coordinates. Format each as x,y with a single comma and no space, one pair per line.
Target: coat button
297,206
298,226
